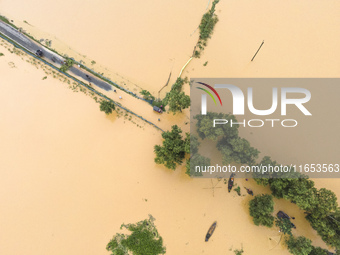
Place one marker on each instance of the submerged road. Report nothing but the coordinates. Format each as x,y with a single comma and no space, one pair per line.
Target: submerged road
131,100
50,56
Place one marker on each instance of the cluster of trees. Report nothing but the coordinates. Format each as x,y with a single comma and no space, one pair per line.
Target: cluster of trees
106,106
233,148
176,148
175,98
320,205
195,159
303,246
261,209
144,239
206,28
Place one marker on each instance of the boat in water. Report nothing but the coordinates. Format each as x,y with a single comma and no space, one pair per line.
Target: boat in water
210,231
231,182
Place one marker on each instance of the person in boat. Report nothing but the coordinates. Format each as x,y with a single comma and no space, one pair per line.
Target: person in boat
250,192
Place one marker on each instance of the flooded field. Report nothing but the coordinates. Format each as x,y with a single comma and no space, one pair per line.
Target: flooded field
70,176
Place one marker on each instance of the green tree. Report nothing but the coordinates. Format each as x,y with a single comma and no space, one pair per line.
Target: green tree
325,204
281,183
67,64
173,150
328,228
196,160
143,240
285,225
177,101
263,178
237,150
191,144
299,246
302,192
107,106
205,127
318,251
261,209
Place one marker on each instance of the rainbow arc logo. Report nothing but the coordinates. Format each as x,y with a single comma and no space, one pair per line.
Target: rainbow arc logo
209,93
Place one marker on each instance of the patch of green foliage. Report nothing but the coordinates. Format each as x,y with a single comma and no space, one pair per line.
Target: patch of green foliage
206,29
205,127
238,252
147,95
143,240
107,106
205,64
261,209
67,64
196,160
238,190
1,54
318,251
299,246
320,205
93,62
173,150
233,148
284,225
176,99
4,19
44,78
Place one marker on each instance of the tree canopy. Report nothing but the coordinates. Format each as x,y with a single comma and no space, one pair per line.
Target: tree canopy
261,209
237,150
205,127
176,99
143,240
299,246
107,106
172,151
284,225
196,160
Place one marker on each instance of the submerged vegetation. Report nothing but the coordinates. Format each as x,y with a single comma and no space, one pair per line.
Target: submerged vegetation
143,240
67,64
261,209
173,150
176,99
206,29
238,190
107,106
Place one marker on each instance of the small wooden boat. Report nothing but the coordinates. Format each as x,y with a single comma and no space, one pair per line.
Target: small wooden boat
231,182
210,231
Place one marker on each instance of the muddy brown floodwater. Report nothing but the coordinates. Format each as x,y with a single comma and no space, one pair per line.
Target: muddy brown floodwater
70,176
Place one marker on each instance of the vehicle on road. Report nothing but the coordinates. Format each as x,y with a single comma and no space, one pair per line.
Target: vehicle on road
54,59
210,231
39,53
157,109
